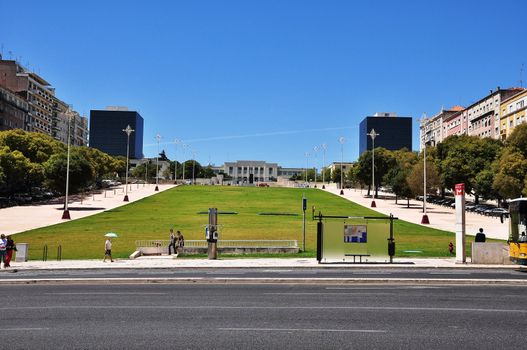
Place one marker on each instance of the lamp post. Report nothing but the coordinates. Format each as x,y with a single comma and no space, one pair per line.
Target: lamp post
193,166
315,150
176,142
128,131
184,160
324,148
66,213
425,220
342,140
307,157
373,135
158,138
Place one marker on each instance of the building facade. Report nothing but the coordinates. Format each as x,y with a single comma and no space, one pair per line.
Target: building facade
45,112
106,132
13,110
242,171
512,113
394,132
434,129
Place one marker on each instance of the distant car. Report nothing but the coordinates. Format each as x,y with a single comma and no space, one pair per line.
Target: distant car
262,184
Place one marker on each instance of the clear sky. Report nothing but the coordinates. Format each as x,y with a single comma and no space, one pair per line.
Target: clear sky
267,80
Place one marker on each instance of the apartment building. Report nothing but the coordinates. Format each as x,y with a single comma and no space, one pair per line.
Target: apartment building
484,115
512,113
13,110
434,129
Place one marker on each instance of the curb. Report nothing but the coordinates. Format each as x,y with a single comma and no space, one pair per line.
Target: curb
205,280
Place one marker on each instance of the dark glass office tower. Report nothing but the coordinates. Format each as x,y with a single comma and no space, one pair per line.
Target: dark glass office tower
106,132
395,132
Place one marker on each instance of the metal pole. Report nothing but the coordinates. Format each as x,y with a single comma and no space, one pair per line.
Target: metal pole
193,166
158,138
341,141
128,130
424,180
373,135
66,213
307,155
324,147
184,161
176,141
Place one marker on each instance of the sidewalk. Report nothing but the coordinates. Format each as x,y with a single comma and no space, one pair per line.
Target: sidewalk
22,218
441,218
168,262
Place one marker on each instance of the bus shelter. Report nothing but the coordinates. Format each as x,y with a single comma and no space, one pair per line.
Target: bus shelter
349,239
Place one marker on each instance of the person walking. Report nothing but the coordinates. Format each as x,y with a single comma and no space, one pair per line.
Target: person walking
180,242
10,248
3,250
480,236
108,249
172,242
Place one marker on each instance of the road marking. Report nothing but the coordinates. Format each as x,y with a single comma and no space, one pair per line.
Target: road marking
450,273
328,294
382,288
322,308
301,330
370,273
225,273
24,329
105,293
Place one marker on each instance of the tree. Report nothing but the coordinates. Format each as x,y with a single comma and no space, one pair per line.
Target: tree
511,171
37,147
139,171
163,156
483,184
399,184
207,172
80,172
518,139
15,169
416,177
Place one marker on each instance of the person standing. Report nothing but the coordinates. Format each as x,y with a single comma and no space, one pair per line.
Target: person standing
172,242
108,249
480,236
10,248
3,250
180,242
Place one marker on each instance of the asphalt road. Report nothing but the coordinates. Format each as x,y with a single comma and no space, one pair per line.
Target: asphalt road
519,274
269,316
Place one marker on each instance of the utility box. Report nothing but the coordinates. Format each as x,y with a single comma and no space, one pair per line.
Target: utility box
212,234
22,252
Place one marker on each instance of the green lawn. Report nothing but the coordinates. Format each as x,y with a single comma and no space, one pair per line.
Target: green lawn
152,217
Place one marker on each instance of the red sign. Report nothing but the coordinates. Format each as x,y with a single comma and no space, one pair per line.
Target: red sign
460,189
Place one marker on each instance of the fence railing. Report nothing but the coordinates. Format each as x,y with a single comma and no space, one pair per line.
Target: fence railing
256,243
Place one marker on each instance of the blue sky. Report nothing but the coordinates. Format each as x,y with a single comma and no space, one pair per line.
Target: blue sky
267,80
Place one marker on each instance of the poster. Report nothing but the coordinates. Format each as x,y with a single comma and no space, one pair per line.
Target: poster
355,234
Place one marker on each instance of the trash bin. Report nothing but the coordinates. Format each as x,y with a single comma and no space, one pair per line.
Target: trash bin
22,252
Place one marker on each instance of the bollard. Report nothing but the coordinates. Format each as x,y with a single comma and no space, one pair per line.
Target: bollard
114,191
59,253
45,253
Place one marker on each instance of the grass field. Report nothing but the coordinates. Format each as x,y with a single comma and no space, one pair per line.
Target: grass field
152,217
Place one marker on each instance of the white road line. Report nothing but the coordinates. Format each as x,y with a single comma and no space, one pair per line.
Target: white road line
301,330
322,308
24,329
370,273
328,294
104,293
383,288
450,273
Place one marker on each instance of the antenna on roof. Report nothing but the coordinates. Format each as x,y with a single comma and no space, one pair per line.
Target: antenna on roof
521,74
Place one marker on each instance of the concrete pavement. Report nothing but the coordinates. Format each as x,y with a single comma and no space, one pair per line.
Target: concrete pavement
441,218
22,218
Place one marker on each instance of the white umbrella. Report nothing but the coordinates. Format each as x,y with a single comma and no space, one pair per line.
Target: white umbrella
111,234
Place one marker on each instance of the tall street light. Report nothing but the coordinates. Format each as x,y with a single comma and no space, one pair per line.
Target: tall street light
342,141
193,166
128,131
158,138
324,148
184,146
66,213
176,142
315,150
307,157
373,135
425,220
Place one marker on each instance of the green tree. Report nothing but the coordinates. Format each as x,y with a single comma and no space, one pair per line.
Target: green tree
518,139
80,172
511,171
37,147
15,168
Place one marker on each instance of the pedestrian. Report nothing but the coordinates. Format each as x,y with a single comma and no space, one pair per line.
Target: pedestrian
523,238
451,248
180,242
480,236
172,242
108,249
10,248
3,250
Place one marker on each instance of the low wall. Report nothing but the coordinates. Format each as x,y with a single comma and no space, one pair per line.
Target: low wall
490,253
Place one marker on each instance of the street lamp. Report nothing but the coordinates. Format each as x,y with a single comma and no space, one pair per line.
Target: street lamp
128,131
176,142
324,148
184,160
315,150
373,135
193,165
342,140
158,138
425,220
307,157
66,213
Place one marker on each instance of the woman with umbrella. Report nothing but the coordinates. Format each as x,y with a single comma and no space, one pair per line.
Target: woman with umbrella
108,245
